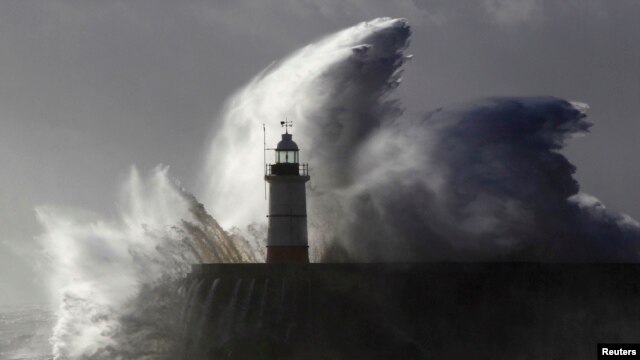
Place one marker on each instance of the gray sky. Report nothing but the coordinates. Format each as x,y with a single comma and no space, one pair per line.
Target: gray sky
88,88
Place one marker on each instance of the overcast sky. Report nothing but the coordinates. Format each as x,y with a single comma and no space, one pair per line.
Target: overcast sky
88,88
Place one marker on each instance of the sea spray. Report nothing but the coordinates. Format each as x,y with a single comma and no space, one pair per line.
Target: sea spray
448,185
263,302
482,181
119,280
229,317
335,92
246,303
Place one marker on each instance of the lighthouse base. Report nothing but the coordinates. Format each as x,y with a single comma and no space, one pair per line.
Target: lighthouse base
287,254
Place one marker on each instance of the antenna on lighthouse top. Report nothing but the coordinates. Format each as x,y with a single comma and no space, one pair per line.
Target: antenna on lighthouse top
264,157
286,124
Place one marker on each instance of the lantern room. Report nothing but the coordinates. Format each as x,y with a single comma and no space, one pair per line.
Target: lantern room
287,151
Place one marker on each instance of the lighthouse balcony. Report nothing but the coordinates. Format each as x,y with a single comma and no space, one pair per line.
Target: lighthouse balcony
287,169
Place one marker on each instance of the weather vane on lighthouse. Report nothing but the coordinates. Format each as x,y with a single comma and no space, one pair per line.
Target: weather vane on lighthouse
287,234
286,124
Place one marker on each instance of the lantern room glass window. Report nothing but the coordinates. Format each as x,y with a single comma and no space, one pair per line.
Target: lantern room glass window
286,157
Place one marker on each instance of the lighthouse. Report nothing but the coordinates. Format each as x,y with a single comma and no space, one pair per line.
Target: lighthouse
287,235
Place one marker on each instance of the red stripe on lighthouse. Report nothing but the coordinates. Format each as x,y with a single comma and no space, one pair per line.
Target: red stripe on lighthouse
287,254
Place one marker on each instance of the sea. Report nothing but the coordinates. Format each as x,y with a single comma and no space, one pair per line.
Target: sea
25,331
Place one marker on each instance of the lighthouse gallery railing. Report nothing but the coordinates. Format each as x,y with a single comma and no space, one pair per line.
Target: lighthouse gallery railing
303,169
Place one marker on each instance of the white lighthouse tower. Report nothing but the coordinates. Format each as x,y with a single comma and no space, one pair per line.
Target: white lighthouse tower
287,236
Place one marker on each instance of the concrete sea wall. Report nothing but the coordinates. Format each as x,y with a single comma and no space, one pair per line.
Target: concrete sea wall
410,311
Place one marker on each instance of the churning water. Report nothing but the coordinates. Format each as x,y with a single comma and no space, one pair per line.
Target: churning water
25,331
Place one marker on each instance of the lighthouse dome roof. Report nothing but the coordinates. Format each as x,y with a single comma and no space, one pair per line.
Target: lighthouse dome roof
287,143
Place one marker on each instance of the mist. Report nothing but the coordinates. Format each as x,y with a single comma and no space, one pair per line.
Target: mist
483,180
117,282
480,181
88,89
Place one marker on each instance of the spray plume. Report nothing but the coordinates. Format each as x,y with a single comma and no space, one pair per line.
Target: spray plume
479,181
330,89
482,181
335,91
118,282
